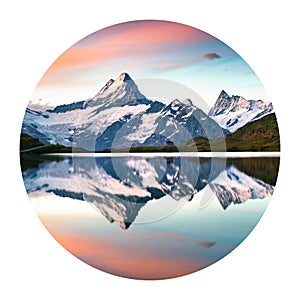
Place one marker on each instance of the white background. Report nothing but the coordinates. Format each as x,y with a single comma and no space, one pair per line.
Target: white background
33,34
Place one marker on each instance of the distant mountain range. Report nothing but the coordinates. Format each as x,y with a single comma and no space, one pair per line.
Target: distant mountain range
119,117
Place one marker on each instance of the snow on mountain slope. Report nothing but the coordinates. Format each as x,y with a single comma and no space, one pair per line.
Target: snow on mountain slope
118,92
145,128
70,128
177,121
180,121
234,186
79,124
234,112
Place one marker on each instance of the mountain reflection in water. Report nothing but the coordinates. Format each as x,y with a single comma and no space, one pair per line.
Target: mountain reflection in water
119,187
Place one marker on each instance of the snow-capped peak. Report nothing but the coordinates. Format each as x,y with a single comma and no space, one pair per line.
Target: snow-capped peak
223,94
234,112
222,103
123,77
116,89
119,87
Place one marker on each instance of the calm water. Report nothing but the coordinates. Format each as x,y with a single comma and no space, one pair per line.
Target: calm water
149,217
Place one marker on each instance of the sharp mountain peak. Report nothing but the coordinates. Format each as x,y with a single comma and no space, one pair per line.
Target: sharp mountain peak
223,94
124,77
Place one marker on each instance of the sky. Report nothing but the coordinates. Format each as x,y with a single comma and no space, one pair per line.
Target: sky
148,49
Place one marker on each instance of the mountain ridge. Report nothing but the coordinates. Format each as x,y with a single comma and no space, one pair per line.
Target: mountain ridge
120,116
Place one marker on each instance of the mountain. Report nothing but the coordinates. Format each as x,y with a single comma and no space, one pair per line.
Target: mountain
176,121
119,116
234,112
80,123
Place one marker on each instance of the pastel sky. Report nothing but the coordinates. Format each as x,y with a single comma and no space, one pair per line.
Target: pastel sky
148,49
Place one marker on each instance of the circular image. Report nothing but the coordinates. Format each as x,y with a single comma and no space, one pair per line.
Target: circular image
149,149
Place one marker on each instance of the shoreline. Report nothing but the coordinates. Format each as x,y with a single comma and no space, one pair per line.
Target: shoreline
169,154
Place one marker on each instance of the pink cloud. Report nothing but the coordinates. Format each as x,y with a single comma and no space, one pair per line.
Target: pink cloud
137,40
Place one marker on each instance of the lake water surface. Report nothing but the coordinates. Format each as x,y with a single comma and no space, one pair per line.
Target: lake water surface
148,216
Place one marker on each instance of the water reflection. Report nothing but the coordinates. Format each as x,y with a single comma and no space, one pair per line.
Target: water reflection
119,187
160,229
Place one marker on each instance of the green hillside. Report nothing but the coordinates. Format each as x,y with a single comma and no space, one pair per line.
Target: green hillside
260,135
28,142
31,145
